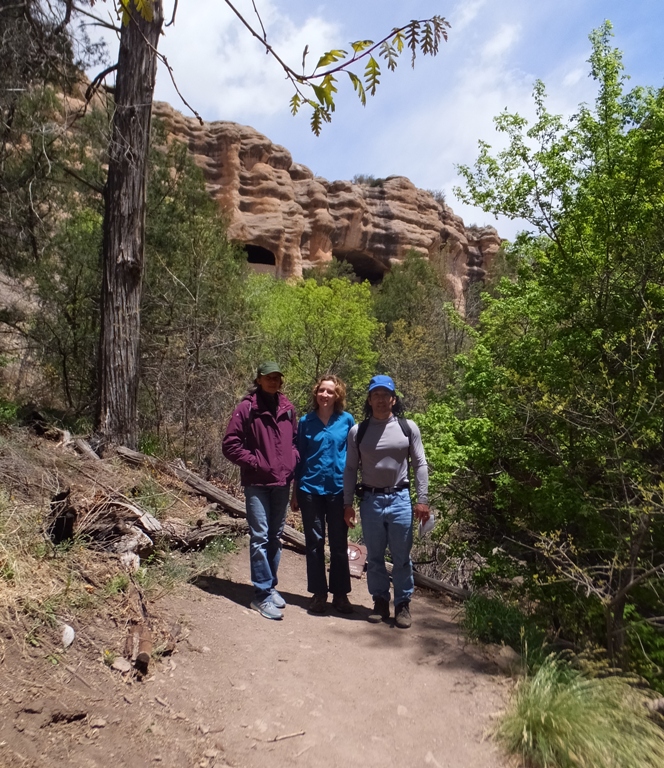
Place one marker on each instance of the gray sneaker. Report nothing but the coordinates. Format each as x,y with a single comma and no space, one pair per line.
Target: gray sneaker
402,615
267,609
277,600
381,611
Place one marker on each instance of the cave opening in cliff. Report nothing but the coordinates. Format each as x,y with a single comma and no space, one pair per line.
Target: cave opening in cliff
364,266
261,259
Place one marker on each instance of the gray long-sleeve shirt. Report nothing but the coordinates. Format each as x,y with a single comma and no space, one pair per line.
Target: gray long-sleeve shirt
385,451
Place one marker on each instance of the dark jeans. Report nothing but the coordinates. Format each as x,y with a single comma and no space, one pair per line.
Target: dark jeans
316,512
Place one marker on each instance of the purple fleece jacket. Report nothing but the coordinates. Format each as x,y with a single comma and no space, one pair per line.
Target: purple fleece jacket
264,447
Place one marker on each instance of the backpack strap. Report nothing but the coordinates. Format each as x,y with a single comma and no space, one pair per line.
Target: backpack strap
361,432
405,428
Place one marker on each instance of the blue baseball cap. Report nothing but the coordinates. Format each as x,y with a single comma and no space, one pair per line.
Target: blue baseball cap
382,381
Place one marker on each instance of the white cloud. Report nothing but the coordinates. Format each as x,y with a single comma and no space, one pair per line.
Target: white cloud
574,76
502,41
467,14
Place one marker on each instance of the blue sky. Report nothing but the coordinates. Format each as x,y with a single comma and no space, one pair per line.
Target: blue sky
422,122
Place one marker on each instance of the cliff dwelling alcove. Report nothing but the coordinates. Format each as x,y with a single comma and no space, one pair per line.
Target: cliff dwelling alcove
364,266
261,259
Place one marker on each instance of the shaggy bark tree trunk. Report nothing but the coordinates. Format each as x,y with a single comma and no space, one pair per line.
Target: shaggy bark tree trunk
124,229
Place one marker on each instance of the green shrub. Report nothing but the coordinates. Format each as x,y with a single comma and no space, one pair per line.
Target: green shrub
8,412
490,620
561,719
645,643
119,583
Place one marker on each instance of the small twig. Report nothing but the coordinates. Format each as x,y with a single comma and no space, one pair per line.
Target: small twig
72,671
175,10
288,736
94,85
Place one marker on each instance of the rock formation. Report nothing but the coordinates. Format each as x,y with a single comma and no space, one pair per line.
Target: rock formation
291,220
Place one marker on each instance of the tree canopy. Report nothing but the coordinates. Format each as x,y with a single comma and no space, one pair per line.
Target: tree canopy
560,460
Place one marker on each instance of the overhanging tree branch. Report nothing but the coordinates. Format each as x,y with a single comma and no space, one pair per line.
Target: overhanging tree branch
419,34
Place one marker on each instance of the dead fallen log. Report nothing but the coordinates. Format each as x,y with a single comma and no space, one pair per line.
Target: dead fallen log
233,506
82,447
436,585
62,518
208,490
138,646
185,537
177,469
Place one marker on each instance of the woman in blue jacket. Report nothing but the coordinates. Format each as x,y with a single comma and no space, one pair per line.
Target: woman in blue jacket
318,493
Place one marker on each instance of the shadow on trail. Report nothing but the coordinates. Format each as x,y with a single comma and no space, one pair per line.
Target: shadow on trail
434,640
243,594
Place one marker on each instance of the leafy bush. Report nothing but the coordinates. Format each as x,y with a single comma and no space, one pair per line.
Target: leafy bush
438,195
491,620
368,180
561,719
566,374
8,412
645,641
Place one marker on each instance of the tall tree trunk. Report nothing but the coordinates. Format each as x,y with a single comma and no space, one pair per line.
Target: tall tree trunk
124,229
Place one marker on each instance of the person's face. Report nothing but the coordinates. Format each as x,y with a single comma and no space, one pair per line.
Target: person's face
326,394
270,382
381,401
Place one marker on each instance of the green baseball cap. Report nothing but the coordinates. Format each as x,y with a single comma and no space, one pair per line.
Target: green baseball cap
267,367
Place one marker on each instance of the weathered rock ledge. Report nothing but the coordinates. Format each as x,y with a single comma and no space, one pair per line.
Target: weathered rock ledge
291,220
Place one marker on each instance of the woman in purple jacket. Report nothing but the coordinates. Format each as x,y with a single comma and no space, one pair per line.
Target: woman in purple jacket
260,439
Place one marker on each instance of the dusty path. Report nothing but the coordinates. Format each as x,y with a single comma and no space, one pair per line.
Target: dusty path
359,694
315,691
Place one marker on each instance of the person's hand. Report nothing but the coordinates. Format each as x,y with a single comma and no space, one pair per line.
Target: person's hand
293,503
349,516
421,512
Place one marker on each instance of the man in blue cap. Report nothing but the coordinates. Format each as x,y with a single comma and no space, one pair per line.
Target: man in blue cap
381,448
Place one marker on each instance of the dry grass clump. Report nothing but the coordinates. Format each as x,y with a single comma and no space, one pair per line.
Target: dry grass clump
42,585
559,718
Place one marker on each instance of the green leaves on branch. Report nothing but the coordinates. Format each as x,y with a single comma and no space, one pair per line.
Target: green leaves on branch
418,35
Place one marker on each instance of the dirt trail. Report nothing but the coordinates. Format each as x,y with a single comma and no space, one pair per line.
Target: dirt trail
315,691
360,694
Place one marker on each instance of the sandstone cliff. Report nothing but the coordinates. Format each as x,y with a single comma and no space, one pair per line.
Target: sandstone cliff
291,220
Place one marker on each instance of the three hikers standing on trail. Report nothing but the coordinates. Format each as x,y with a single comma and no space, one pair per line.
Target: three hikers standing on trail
262,440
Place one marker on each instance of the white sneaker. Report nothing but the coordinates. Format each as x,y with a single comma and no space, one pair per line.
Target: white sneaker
277,600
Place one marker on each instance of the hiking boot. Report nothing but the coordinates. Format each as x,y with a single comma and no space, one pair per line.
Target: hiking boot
318,603
402,616
277,600
381,610
267,609
342,604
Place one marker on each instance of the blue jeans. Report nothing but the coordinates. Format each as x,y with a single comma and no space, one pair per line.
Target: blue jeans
266,515
387,520
316,512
